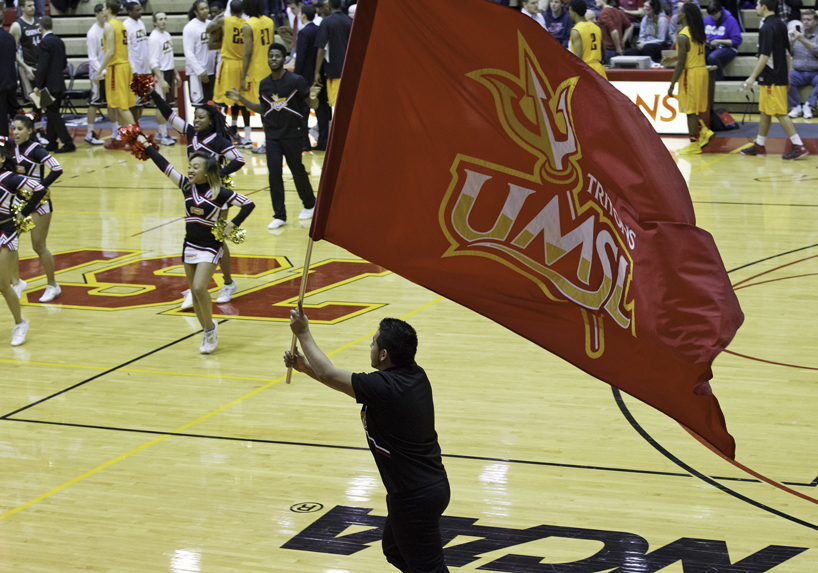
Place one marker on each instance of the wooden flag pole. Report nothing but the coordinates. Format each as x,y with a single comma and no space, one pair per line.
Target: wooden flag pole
301,292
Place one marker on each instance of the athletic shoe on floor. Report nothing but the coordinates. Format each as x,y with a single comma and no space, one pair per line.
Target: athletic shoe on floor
705,135
276,223
91,139
51,292
165,140
306,214
188,302
807,111
18,333
260,149
754,150
797,111
245,143
42,138
67,148
798,151
210,340
226,292
115,144
19,287
691,149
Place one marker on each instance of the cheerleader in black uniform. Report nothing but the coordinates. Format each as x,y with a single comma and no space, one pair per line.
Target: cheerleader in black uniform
209,135
31,157
11,185
205,199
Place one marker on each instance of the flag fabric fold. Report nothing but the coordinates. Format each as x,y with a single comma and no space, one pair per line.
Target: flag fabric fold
475,156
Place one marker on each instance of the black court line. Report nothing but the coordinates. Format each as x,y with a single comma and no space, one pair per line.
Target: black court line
753,204
772,257
101,374
356,448
625,412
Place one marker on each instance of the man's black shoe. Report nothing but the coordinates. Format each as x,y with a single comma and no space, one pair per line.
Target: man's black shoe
52,147
67,148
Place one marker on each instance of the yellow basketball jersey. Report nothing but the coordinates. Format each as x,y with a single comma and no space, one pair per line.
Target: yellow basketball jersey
695,56
263,30
591,37
120,42
233,41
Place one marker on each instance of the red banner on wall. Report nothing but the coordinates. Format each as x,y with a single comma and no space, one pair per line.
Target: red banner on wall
474,155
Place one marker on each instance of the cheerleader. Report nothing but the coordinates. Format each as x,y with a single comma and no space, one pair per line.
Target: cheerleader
205,199
209,135
11,185
31,157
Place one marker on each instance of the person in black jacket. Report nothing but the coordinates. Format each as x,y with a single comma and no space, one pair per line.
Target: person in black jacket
8,80
305,56
50,70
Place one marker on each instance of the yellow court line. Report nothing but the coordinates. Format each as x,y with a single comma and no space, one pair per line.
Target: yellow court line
138,371
180,429
736,150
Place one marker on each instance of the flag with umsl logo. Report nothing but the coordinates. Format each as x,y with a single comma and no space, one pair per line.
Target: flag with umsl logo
475,156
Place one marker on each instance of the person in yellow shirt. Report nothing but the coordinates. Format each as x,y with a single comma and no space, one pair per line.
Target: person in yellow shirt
691,74
118,75
258,36
586,37
229,73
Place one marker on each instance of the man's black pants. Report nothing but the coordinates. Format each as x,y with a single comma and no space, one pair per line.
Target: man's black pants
291,150
8,105
56,126
411,534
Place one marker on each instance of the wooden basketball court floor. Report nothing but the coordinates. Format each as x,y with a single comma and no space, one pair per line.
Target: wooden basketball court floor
122,449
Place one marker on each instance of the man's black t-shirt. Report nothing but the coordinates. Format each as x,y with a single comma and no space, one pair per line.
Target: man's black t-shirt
284,109
399,420
334,30
773,41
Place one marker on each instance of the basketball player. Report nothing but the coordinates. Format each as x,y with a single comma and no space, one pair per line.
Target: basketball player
692,70
230,69
773,77
118,74
586,37
258,37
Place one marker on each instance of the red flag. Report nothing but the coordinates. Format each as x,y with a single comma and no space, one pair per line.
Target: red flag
474,155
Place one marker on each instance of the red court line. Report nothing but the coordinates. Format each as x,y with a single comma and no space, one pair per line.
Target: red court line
774,269
753,473
774,280
182,218
769,361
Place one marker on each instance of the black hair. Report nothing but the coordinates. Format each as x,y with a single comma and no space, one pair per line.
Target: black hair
99,8
217,4
217,123
399,340
276,46
191,14
579,7
714,7
694,22
336,4
656,13
253,8
770,4
25,120
309,12
113,6
236,7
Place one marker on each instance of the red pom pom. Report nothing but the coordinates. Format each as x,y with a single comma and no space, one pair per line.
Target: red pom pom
129,135
142,85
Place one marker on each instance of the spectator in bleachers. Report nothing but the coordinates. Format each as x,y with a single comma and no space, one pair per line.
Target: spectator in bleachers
723,37
50,76
531,9
160,55
789,11
194,43
8,80
804,47
558,22
771,71
635,11
93,43
615,26
138,51
653,36
674,26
